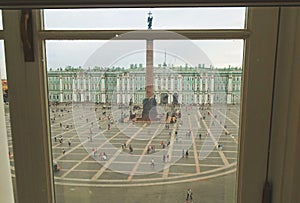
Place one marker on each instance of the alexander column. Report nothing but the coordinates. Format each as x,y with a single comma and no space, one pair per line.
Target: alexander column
149,103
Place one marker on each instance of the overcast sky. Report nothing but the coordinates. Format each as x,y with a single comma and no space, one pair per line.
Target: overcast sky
219,53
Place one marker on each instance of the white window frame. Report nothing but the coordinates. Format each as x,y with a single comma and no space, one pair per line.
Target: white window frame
29,101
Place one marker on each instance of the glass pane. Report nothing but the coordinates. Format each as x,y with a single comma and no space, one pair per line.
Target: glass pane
112,132
7,173
136,19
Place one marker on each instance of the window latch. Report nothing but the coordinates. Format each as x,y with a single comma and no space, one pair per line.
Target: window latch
27,34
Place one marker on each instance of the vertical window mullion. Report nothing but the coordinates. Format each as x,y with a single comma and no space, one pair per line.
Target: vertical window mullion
29,113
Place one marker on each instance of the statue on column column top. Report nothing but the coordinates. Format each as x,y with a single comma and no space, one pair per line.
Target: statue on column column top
150,18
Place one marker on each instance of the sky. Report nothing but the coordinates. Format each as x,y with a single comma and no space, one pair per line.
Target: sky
219,53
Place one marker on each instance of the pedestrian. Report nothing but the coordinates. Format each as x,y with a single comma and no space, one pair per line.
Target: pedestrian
64,151
168,158
130,149
152,162
189,194
187,153
164,158
168,143
69,143
55,139
94,152
182,153
200,136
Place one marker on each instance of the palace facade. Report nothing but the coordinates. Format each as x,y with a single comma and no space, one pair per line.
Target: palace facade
185,85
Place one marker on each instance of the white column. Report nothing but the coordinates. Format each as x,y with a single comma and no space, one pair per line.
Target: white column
206,83
128,84
73,90
103,97
180,83
123,83
118,89
180,89
133,88
230,83
60,89
180,98
78,83
167,81
89,80
212,89
155,84
229,88
172,83
205,98
200,83
6,189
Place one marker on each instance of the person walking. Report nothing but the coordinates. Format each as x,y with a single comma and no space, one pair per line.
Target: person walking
130,149
152,162
187,154
189,195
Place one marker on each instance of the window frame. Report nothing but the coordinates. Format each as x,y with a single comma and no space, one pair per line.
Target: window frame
262,23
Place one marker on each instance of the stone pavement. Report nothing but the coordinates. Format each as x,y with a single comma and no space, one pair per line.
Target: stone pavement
83,167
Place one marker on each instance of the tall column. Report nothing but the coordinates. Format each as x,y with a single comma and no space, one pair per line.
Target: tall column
172,83
149,69
6,189
149,103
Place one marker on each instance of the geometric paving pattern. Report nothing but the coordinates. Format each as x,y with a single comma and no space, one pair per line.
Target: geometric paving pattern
91,154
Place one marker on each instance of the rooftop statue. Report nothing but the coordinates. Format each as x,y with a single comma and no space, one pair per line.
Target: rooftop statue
150,18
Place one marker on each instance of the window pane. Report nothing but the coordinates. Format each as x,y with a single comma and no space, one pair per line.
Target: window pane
106,137
136,19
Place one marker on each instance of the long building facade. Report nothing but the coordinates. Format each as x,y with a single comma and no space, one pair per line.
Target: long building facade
187,85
